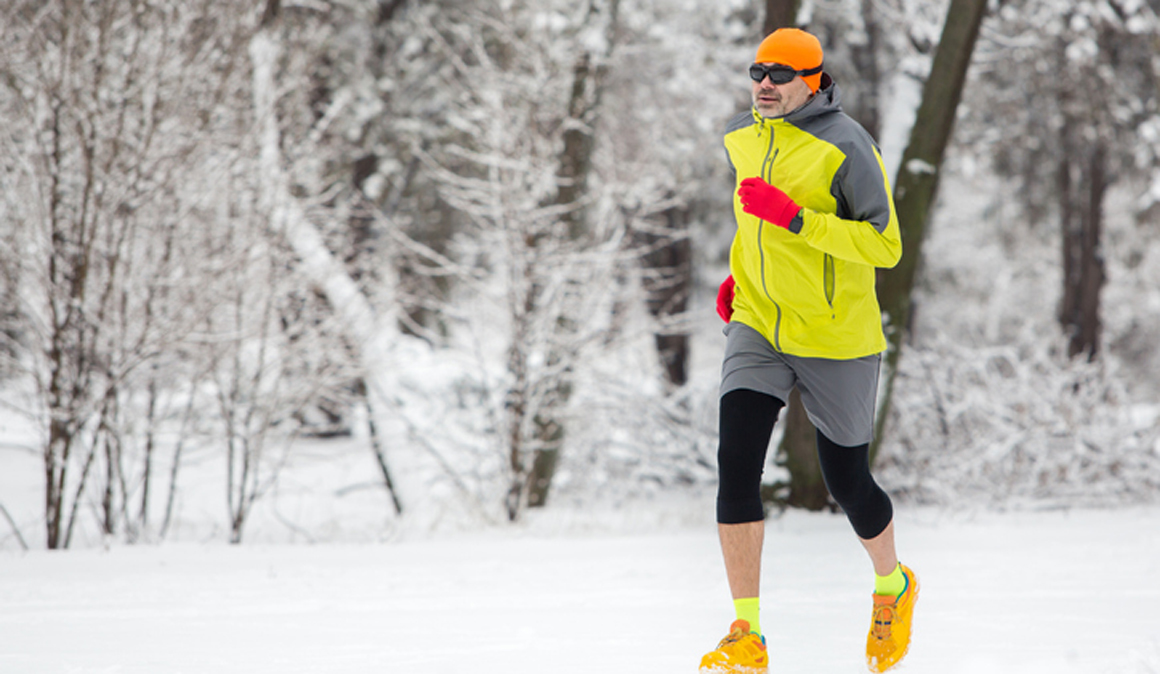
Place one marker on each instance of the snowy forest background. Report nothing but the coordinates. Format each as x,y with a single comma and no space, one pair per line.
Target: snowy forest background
462,254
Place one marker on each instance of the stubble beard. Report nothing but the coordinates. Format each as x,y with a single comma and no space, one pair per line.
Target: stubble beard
771,109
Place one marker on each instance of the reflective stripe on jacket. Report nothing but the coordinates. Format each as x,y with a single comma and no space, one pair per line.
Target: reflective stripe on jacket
810,289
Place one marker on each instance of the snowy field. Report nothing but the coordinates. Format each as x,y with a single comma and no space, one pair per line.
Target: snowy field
1020,592
328,581
622,573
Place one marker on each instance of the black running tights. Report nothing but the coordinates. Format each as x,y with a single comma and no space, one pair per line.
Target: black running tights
746,423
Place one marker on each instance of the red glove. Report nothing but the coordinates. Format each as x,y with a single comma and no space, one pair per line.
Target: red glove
767,202
725,299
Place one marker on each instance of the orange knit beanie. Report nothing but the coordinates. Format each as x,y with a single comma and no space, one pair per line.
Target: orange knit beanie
794,48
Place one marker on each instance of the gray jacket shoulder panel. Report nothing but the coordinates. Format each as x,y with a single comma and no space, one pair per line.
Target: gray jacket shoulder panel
859,185
739,121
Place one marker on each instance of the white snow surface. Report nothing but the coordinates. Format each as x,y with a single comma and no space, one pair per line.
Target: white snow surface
1051,591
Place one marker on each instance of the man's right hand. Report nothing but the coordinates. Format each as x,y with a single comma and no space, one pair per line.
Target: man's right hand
725,299
759,198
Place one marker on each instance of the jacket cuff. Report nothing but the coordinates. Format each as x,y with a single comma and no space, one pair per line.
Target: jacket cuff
796,224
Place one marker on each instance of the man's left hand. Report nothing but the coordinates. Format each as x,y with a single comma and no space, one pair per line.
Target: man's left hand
765,201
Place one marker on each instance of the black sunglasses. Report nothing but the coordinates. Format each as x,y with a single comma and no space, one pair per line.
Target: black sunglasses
778,74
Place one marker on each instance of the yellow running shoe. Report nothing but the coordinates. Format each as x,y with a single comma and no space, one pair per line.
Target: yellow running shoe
741,652
889,636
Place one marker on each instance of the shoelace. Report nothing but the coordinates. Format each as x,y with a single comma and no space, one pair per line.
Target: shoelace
883,620
732,638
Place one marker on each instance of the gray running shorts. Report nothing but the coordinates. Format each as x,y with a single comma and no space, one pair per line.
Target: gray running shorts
839,395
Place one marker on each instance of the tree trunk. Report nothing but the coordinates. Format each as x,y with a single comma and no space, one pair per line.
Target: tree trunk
551,434
799,450
574,169
1083,181
15,528
516,402
56,457
780,14
917,182
866,110
377,448
371,328
150,446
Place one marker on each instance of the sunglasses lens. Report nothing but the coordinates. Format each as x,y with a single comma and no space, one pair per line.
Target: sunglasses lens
778,74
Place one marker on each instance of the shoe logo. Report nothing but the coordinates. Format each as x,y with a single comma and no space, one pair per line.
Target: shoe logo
883,621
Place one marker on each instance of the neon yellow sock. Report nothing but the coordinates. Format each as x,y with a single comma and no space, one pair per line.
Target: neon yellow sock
892,584
749,609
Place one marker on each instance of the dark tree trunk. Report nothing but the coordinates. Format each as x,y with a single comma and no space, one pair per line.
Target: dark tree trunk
917,182
799,449
377,447
574,169
866,109
779,14
1083,181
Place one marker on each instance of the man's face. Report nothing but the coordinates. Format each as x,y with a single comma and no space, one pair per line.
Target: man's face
778,100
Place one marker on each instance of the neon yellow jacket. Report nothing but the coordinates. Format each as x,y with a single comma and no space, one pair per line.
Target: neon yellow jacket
810,289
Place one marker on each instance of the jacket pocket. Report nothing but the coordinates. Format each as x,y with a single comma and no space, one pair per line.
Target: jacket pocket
829,281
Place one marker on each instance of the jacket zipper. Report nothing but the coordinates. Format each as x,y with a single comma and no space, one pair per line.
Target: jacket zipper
767,175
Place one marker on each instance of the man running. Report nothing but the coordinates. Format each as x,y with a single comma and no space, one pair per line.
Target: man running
814,219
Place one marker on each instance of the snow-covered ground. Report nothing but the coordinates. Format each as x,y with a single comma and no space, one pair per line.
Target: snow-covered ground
626,578
1020,592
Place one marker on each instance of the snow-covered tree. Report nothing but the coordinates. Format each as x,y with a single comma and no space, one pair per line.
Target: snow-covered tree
107,106
1070,91
528,85
992,404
